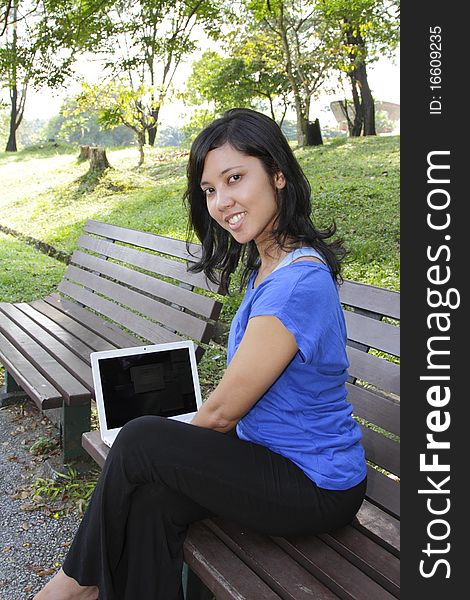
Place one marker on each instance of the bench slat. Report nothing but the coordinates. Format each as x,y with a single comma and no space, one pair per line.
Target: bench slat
341,576
28,377
373,333
74,363
70,341
219,569
374,370
91,442
379,564
88,337
383,491
380,526
149,262
374,408
108,331
269,562
196,303
71,389
379,300
170,317
146,329
143,239
381,450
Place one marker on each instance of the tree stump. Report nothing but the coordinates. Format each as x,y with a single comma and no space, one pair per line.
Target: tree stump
84,153
314,137
98,159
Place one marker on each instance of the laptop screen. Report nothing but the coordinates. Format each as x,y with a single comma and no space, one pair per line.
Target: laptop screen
152,383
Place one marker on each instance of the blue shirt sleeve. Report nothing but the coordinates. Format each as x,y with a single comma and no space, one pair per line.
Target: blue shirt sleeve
304,297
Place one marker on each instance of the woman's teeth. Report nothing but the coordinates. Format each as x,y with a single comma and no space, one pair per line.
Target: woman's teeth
236,218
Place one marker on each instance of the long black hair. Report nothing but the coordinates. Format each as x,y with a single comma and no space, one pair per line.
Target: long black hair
253,134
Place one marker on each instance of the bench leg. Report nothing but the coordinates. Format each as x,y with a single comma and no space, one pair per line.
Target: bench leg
11,392
193,587
72,421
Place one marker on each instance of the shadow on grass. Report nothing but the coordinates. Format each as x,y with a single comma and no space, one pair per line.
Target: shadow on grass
109,180
89,181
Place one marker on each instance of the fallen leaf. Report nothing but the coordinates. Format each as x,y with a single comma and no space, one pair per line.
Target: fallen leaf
45,572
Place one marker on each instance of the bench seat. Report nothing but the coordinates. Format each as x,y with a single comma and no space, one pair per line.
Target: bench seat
122,288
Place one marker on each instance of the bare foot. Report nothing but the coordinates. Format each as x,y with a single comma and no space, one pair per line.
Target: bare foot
63,587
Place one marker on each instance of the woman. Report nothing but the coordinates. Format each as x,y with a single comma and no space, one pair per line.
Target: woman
294,464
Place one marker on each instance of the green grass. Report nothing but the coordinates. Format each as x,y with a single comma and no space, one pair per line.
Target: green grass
25,272
47,194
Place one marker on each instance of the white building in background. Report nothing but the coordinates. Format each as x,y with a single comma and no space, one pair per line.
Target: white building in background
387,115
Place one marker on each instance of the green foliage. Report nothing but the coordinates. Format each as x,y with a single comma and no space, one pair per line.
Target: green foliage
200,118
43,445
170,136
225,82
360,30
79,122
248,78
66,487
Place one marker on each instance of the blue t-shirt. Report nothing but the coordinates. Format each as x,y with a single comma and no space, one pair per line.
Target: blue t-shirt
304,415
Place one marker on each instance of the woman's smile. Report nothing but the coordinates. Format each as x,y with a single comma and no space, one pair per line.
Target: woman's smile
235,221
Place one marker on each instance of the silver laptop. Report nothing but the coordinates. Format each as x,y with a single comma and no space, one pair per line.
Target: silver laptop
159,379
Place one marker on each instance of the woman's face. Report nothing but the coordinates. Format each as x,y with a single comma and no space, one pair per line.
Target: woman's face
240,195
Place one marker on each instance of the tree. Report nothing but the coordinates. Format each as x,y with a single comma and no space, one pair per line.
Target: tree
117,104
145,42
16,66
223,83
296,27
358,32
37,48
81,126
153,37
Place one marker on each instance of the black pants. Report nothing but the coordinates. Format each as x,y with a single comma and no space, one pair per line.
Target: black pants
160,476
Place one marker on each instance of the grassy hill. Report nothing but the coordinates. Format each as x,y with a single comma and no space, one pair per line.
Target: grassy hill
46,194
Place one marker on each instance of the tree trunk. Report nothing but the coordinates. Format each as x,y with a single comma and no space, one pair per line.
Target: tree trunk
302,120
141,142
302,125
364,121
355,126
152,131
84,153
367,101
11,144
98,160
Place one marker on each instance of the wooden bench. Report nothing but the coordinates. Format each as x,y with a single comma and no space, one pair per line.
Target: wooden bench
358,562
122,288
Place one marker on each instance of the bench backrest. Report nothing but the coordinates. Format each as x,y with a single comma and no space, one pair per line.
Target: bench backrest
372,318
140,281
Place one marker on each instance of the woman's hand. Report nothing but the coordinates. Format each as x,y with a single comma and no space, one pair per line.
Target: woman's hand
265,351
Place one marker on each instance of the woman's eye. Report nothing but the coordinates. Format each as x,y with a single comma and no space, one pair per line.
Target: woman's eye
207,192
234,177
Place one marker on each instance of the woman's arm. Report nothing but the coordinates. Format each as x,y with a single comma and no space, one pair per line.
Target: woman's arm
265,351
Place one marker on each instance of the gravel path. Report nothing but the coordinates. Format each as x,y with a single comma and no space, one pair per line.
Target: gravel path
34,537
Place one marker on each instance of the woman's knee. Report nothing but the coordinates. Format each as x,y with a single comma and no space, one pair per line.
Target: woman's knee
139,429
139,436
145,441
